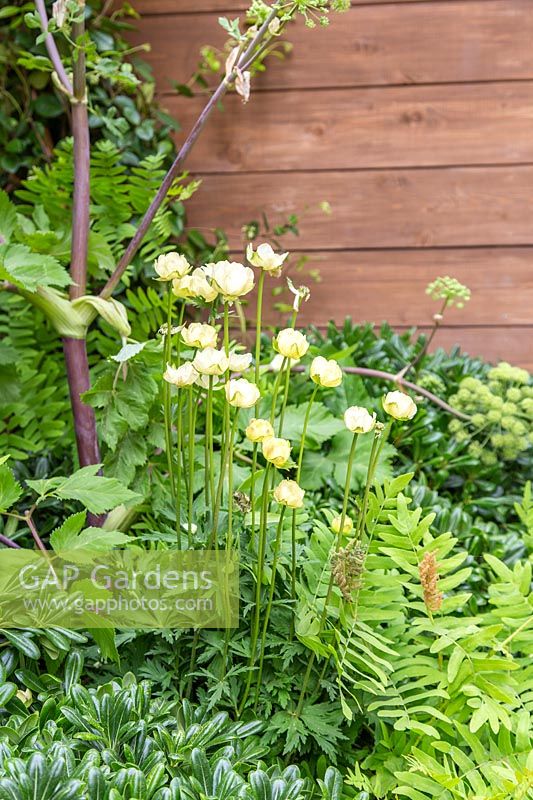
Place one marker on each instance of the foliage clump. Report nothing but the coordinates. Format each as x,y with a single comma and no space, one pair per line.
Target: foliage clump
501,410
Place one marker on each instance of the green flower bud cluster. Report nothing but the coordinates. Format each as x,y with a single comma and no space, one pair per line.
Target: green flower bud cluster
433,383
501,411
450,290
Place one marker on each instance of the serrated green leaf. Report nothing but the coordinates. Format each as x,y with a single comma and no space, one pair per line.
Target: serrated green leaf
30,270
10,488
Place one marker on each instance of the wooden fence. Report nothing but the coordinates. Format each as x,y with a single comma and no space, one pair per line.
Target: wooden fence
414,121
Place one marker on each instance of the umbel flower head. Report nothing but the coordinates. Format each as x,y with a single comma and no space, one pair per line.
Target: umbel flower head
259,429
266,258
242,393
233,280
211,361
290,343
185,375
358,420
399,405
289,493
171,265
276,450
326,373
198,334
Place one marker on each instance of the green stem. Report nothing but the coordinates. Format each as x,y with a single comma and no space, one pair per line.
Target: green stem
275,390
323,617
285,398
190,482
252,497
375,452
229,538
259,581
293,526
167,406
258,323
179,444
275,557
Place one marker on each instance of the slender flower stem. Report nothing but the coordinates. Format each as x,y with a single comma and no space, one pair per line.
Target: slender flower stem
258,324
284,399
256,623
190,484
275,390
275,557
167,406
347,486
377,446
5,540
179,448
229,467
35,534
252,497
226,433
298,475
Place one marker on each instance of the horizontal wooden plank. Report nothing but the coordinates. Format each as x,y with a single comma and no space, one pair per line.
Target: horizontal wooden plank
358,128
493,344
377,286
402,43
227,6
376,209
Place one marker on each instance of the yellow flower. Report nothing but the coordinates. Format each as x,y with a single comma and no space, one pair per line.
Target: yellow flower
185,375
326,373
336,524
239,362
277,362
259,429
288,493
210,361
277,451
198,334
182,287
171,265
232,279
291,343
200,286
242,393
399,405
358,420
266,259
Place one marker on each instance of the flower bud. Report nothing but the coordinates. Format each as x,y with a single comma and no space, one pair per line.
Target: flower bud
232,279
259,429
291,343
198,334
277,451
266,259
326,373
399,405
288,493
242,393
210,361
171,265
239,362
185,375
358,420
336,524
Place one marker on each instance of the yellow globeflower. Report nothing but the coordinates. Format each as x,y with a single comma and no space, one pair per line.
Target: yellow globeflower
326,373
266,258
198,334
210,361
291,343
242,393
358,420
201,287
259,429
399,405
233,280
288,493
336,524
239,362
277,451
185,375
171,265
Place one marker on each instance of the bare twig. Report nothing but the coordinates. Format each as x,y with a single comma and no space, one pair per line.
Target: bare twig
388,376
169,178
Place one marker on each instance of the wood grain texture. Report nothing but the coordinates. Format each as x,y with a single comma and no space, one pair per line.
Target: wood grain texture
377,209
398,43
359,128
226,6
384,285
